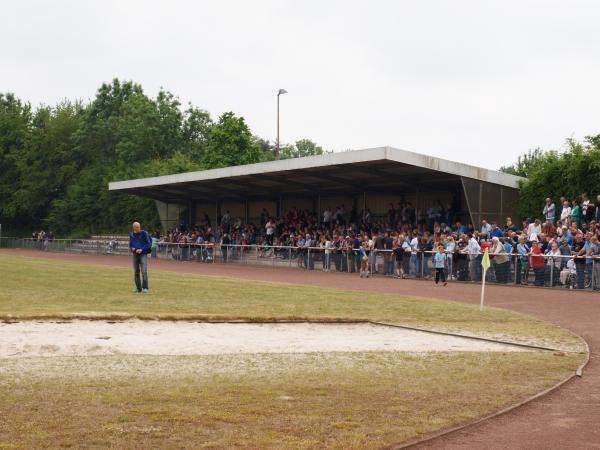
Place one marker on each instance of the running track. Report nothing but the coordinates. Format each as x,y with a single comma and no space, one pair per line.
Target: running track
567,418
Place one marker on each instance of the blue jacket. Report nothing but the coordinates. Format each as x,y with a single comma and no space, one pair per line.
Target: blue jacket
140,240
497,232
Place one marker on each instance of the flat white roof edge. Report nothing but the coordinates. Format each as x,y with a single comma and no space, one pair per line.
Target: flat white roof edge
328,159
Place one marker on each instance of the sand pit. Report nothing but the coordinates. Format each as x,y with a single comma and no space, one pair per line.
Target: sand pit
80,337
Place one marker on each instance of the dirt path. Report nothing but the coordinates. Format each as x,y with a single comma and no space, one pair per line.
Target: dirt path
568,418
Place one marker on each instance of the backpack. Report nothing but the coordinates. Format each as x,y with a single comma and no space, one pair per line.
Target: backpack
148,239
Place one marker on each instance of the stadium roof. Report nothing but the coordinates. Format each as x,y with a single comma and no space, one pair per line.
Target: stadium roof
382,169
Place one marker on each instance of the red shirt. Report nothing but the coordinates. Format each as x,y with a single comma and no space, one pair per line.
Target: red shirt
536,260
484,245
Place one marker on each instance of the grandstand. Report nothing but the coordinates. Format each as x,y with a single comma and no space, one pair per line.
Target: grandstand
360,179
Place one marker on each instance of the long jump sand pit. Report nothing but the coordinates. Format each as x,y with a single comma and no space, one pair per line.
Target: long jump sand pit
87,337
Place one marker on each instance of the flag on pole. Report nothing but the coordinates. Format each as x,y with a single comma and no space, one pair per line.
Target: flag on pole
485,262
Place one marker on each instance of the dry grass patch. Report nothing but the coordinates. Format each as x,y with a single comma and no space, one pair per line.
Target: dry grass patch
339,400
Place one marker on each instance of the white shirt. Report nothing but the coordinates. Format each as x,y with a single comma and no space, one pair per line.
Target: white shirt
486,229
270,228
414,245
565,214
473,248
533,231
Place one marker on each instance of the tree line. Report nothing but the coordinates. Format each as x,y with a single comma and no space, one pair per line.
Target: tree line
568,173
56,161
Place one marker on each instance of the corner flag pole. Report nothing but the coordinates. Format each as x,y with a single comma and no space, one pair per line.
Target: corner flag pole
485,263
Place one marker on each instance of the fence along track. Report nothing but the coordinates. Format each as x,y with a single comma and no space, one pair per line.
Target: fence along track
553,273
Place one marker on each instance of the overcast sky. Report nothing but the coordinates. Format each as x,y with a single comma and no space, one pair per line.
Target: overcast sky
474,81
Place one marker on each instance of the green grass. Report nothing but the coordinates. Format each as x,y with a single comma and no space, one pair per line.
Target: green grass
37,288
314,400
339,400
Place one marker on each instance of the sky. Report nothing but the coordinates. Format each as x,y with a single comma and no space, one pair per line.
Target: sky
474,81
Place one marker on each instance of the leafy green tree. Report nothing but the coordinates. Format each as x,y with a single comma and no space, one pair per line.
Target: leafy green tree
56,162
303,147
45,165
195,130
15,128
230,143
558,174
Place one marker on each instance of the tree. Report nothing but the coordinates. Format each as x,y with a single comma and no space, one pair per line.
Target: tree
15,129
56,162
196,127
557,174
303,147
230,143
46,166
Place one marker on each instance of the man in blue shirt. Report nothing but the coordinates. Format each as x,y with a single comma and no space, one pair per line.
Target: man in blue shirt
495,231
140,245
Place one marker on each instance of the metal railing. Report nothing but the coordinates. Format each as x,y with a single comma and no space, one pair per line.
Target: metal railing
541,270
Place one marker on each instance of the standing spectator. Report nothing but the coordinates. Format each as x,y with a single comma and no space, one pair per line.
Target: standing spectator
587,209
398,254
550,211
594,252
388,256
439,261
451,252
155,239
510,226
327,245
534,230
495,231
309,258
576,213
578,252
473,249
364,260
536,262
406,256
139,246
225,242
486,229
588,247
426,249
554,260
522,261
270,231
501,263
415,260
565,214
372,253
462,259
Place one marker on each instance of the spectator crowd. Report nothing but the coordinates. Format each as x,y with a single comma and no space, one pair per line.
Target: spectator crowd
562,248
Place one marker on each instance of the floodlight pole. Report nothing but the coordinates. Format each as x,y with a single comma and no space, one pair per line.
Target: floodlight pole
281,91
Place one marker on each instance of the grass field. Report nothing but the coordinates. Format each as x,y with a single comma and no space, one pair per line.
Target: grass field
314,400
37,288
